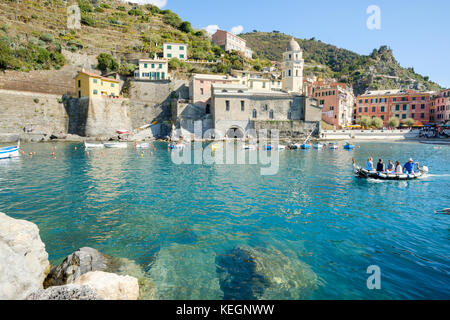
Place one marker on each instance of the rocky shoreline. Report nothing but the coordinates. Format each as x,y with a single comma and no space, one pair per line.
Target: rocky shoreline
26,273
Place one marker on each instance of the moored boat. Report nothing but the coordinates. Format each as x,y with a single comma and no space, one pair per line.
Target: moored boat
176,146
9,152
143,146
319,146
334,146
349,146
117,145
93,145
305,146
249,147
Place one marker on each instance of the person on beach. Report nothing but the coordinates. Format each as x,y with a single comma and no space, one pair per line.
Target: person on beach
369,164
380,166
409,166
390,167
398,168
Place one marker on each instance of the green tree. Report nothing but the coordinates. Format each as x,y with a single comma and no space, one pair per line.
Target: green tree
172,19
394,122
377,123
107,63
365,121
186,27
409,122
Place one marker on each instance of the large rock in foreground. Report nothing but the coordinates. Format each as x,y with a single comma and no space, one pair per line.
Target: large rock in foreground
75,265
110,286
23,260
248,273
67,292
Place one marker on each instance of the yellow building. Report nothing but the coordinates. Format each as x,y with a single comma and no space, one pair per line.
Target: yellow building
93,85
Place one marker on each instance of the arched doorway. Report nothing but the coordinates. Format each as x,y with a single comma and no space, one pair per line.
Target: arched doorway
235,133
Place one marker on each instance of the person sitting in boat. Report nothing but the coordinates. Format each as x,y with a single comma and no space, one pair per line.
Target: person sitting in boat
390,167
398,168
409,166
369,164
380,166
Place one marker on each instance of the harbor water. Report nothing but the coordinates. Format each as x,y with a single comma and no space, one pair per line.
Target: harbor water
227,232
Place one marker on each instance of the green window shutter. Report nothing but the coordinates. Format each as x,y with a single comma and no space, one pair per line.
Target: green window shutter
153,66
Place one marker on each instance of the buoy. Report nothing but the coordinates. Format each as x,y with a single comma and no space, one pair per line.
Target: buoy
76,148
103,153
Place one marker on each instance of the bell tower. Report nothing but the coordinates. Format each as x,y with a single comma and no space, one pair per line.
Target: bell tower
292,68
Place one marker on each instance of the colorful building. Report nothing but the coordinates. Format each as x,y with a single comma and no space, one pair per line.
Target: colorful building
403,104
442,107
175,50
200,88
230,42
90,85
152,69
337,102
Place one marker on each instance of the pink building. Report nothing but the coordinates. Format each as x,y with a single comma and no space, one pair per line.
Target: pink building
442,107
200,88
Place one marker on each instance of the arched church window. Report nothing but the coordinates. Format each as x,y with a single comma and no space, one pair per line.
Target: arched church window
255,113
289,115
271,114
289,73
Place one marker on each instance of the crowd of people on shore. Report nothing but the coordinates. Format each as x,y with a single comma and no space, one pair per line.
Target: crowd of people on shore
410,167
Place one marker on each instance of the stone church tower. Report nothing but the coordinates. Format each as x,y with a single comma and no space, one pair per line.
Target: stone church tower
292,68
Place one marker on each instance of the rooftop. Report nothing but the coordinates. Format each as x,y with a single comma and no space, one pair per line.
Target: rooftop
93,75
213,77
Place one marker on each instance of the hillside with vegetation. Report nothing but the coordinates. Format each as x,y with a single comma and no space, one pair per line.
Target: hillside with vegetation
379,70
34,34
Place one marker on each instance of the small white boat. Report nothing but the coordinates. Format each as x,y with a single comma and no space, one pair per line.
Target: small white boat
319,146
10,152
281,147
249,147
177,146
117,145
334,146
143,146
94,145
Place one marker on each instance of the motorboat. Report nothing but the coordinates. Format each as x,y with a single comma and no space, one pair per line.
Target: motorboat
250,147
349,146
366,174
10,152
143,146
177,146
116,145
305,146
319,146
334,146
93,145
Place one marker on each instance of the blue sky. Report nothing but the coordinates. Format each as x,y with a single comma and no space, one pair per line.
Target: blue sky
418,31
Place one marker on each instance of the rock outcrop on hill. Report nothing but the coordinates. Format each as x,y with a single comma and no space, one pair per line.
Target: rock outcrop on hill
23,260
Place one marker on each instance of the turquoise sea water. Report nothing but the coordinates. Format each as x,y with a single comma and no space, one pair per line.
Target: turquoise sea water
313,223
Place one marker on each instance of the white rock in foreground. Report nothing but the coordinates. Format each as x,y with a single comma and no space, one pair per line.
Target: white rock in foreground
23,260
110,286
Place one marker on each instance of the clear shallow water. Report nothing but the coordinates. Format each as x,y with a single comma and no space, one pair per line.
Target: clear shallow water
182,223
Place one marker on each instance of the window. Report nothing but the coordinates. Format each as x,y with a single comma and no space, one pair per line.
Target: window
374,109
169,55
181,48
405,107
423,98
360,110
289,115
382,109
254,113
289,73
412,115
227,105
403,116
271,114
145,65
382,117
79,83
169,47
367,101
360,101
181,56
153,66
413,107
112,85
398,116
160,66
366,109
208,109
202,91
242,105
422,115
95,92
394,99
79,94
422,106
414,98
95,80
397,107
163,75
403,99
265,107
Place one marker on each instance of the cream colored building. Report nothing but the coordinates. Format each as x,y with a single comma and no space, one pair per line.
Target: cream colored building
175,50
292,68
152,69
260,81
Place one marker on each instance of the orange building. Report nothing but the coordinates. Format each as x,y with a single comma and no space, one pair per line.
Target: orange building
403,104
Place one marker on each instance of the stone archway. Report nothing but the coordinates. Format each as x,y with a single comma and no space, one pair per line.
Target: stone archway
235,133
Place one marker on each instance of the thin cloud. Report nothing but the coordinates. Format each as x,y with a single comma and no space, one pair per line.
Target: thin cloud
237,29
